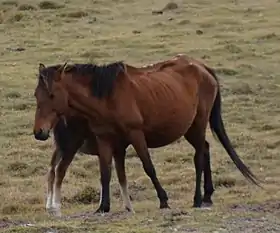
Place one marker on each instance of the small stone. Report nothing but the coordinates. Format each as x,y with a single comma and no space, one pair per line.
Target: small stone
199,32
170,6
136,32
18,49
157,12
205,57
92,20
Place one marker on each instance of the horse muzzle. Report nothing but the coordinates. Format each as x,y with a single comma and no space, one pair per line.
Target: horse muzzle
41,134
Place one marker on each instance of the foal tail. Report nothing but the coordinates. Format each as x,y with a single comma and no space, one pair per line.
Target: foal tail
218,129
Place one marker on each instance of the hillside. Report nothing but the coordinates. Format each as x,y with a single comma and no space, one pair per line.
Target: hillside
239,38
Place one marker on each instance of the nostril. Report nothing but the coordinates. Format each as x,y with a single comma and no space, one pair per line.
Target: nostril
37,132
41,134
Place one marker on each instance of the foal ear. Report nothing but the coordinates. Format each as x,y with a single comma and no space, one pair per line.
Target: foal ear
41,67
60,72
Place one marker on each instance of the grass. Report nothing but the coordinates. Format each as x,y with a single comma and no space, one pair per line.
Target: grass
240,39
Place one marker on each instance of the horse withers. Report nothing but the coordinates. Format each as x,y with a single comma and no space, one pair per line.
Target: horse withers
147,108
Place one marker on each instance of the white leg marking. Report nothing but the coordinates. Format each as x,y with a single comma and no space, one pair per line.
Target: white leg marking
100,200
100,196
125,197
51,176
56,201
49,201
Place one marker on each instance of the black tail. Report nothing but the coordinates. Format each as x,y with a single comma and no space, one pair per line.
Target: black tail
218,129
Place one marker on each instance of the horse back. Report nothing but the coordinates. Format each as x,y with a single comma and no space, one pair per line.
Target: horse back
169,92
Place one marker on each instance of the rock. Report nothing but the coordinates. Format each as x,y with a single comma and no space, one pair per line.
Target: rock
205,57
94,19
18,49
157,12
136,32
170,6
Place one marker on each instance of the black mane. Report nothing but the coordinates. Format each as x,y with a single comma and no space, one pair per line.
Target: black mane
102,76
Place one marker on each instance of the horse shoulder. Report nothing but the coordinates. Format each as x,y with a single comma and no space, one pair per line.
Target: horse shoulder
125,106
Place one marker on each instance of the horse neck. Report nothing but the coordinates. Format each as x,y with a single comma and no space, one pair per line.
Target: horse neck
83,103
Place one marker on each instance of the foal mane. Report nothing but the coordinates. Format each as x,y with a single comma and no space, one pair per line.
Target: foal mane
45,76
102,76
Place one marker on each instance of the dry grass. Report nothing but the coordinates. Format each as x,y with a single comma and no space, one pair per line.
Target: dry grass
239,38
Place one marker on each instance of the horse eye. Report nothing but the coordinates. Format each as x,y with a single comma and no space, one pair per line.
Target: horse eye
51,96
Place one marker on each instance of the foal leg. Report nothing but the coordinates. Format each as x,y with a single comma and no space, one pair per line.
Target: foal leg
60,171
69,139
67,154
208,184
138,141
119,157
50,178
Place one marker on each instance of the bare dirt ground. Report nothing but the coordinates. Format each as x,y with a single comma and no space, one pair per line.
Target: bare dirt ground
266,219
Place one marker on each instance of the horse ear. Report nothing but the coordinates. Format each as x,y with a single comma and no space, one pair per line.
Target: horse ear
60,72
41,67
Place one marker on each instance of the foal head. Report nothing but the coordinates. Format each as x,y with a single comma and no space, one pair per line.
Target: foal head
51,100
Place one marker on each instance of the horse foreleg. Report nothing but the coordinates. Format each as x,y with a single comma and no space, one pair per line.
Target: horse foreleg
119,158
105,165
138,141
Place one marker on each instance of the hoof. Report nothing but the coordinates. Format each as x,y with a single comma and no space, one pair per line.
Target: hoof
164,206
197,205
102,210
206,204
54,212
130,210
207,199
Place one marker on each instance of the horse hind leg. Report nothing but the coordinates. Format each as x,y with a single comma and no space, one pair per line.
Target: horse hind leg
208,184
196,137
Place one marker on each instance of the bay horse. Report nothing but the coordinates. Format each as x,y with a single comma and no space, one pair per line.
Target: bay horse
72,134
147,108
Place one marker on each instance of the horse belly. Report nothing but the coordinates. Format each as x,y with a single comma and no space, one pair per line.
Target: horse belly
168,107
168,131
